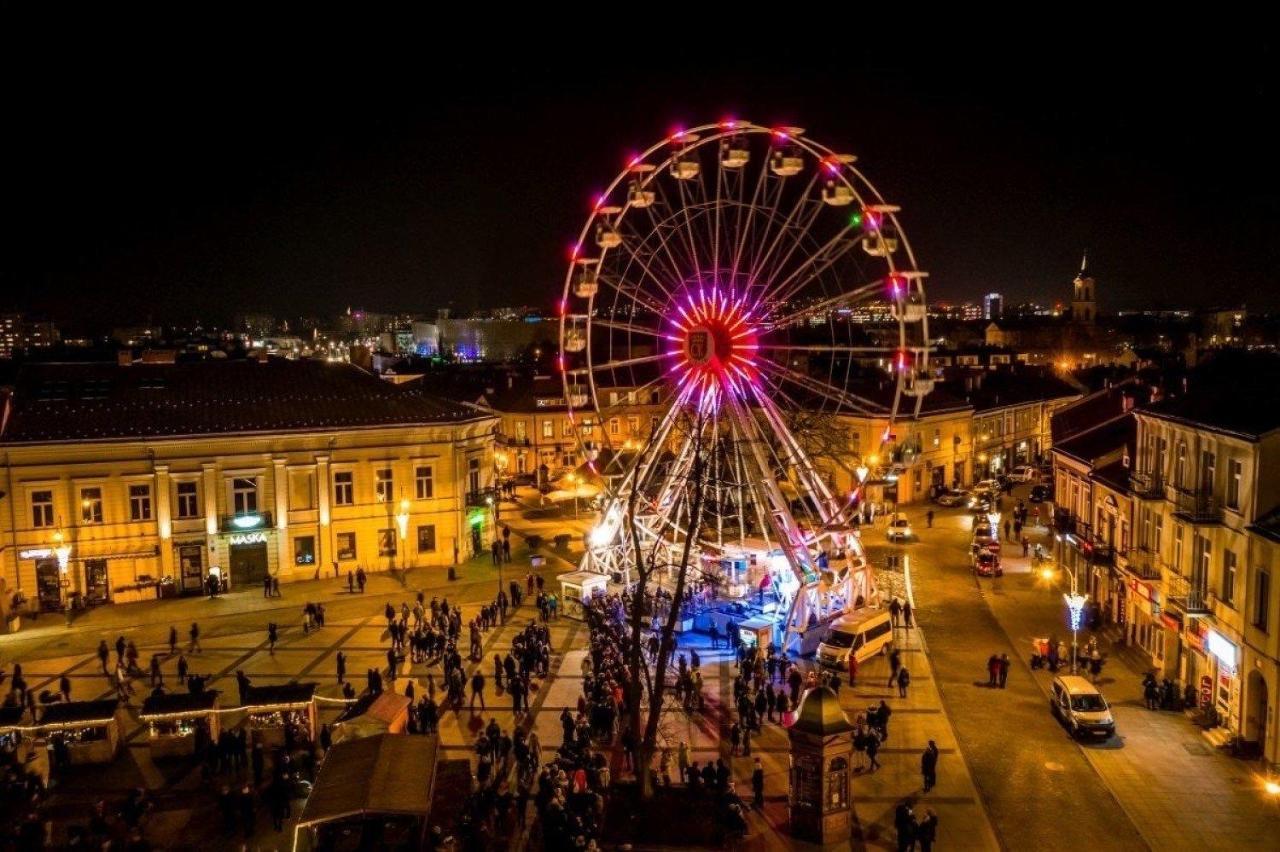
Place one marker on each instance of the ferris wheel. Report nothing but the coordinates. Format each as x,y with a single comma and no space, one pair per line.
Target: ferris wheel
730,282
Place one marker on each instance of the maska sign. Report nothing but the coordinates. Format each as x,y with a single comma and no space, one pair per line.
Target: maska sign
248,538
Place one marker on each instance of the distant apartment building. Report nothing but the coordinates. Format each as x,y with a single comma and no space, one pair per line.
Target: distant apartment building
19,333
992,306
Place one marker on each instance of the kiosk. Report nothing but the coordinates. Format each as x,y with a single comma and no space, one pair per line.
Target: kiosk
384,713
281,714
578,588
81,732
181,724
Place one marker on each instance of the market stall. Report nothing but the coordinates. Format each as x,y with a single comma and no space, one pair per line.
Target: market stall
384,713
81,732
281,714
578,588
181,724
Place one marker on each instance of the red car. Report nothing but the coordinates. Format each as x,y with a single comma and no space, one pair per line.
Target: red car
987,564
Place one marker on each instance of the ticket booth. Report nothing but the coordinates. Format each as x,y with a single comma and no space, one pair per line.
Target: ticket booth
82,732
759,632
281,714
578,588
181,724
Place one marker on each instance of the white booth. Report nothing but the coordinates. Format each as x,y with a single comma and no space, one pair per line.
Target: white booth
578,588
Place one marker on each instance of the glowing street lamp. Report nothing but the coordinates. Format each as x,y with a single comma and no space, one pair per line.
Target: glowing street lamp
402,524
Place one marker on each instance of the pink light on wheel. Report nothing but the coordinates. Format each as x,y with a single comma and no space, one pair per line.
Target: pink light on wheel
714,347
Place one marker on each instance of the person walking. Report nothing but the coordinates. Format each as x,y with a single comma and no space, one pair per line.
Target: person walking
272,636
341,660
104,654
872,747
757,785
993,670
266,587
194,633
906,615
1004,669
895,663
905,823
361,578
173,640
928,519
904,679
895,611
929,765
477,689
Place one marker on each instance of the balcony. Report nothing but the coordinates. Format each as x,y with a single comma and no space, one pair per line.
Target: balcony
1141,562
483,498
1147,486
510,441
245,522
1192,598
1196,506
1080,535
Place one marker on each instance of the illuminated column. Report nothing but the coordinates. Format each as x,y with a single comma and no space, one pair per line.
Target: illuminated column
164,521
209,485
322,504
280,481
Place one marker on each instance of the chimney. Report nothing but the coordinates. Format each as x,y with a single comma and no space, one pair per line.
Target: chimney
124,357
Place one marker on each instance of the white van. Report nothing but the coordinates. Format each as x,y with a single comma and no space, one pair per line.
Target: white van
1081,707
863,633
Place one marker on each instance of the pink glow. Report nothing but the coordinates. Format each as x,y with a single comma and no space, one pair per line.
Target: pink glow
726,359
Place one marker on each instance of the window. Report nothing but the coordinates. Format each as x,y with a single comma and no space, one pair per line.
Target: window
653,424
140,502
1200,568
42,508
1262,599
633,424
244,496
1144,535
1162,453
1208,471
188,500
304,550
1157,532
427,538
387,542
91,505
1177,547
566,428
473,475
937,437
301,493
588,426
1234,476
520,430
346,545
1228,576
423,482
1180,466
344,488
615,426
383,487
548,429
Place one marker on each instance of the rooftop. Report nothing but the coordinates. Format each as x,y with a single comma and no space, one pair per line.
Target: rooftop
102,402
1002,388
396,774
1232,392
820,714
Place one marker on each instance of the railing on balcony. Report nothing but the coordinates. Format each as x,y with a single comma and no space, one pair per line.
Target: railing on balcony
1196,505
1191,597
1141,562
1084,539
245,522
483,497
1148,485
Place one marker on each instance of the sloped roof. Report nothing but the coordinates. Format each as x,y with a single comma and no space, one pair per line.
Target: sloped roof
94,402
1233,392
1003,388
820,713
61,713
1108,437
280,693
385,707
179,702
386,774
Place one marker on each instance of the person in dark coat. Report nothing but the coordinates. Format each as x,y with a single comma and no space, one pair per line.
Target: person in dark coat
904,821
757,785
929,765
927,831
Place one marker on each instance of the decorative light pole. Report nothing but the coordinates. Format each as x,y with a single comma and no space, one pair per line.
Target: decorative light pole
1075,607
402,524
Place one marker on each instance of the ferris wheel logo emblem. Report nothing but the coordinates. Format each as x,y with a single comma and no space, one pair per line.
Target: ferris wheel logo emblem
699,346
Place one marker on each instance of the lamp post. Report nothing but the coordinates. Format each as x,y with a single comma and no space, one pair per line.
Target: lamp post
1075,607
402,524
492,503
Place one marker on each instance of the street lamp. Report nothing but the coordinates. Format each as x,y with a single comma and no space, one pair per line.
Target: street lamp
1075,608
402,522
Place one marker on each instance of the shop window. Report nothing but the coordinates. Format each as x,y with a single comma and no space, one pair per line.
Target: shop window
140,502
384,485
427,538
344,488
188,500
91,505
42,508
387,542
346,545
304,550
424,482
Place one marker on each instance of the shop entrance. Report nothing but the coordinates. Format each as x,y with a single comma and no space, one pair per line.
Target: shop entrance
95,582
48,585
1255,712
477,544
191,568
248,564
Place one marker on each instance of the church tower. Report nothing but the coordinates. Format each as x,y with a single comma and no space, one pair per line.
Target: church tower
1084,299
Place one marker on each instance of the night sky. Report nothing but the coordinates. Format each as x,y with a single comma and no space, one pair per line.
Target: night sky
200,182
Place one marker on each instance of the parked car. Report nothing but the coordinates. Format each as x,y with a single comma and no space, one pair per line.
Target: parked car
1025,473
982,502
1080,706
1041,494
991,485
983,535
987,564
951,497
899,528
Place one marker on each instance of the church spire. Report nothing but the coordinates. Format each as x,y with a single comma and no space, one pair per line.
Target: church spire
1084,263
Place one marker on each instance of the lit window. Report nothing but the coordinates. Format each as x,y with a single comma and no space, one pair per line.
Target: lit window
91,505
383,488
140,502
424,485
42,508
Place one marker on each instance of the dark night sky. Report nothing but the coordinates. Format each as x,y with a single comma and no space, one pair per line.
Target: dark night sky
201,182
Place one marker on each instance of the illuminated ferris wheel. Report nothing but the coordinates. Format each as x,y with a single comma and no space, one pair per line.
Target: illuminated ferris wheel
716,285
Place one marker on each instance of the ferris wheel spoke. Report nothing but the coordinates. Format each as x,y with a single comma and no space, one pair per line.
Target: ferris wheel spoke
813,266
691,236
681,235
841,350
645,261
627,327
796,232
833,303
632,292
842,397
609,366
761,261
744,229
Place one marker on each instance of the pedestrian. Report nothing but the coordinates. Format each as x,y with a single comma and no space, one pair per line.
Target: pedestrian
477,689
1026,546
182,669
157,677
1007,525
272,635
927,831
872,747
895,663
904,821
104,654
341,660
194,633
1004,669
929,765
757,785
361,578
993,670
895,610
906,615
928,518
506,550
904,679
173,640
853,668
266,587
351,583
735,739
